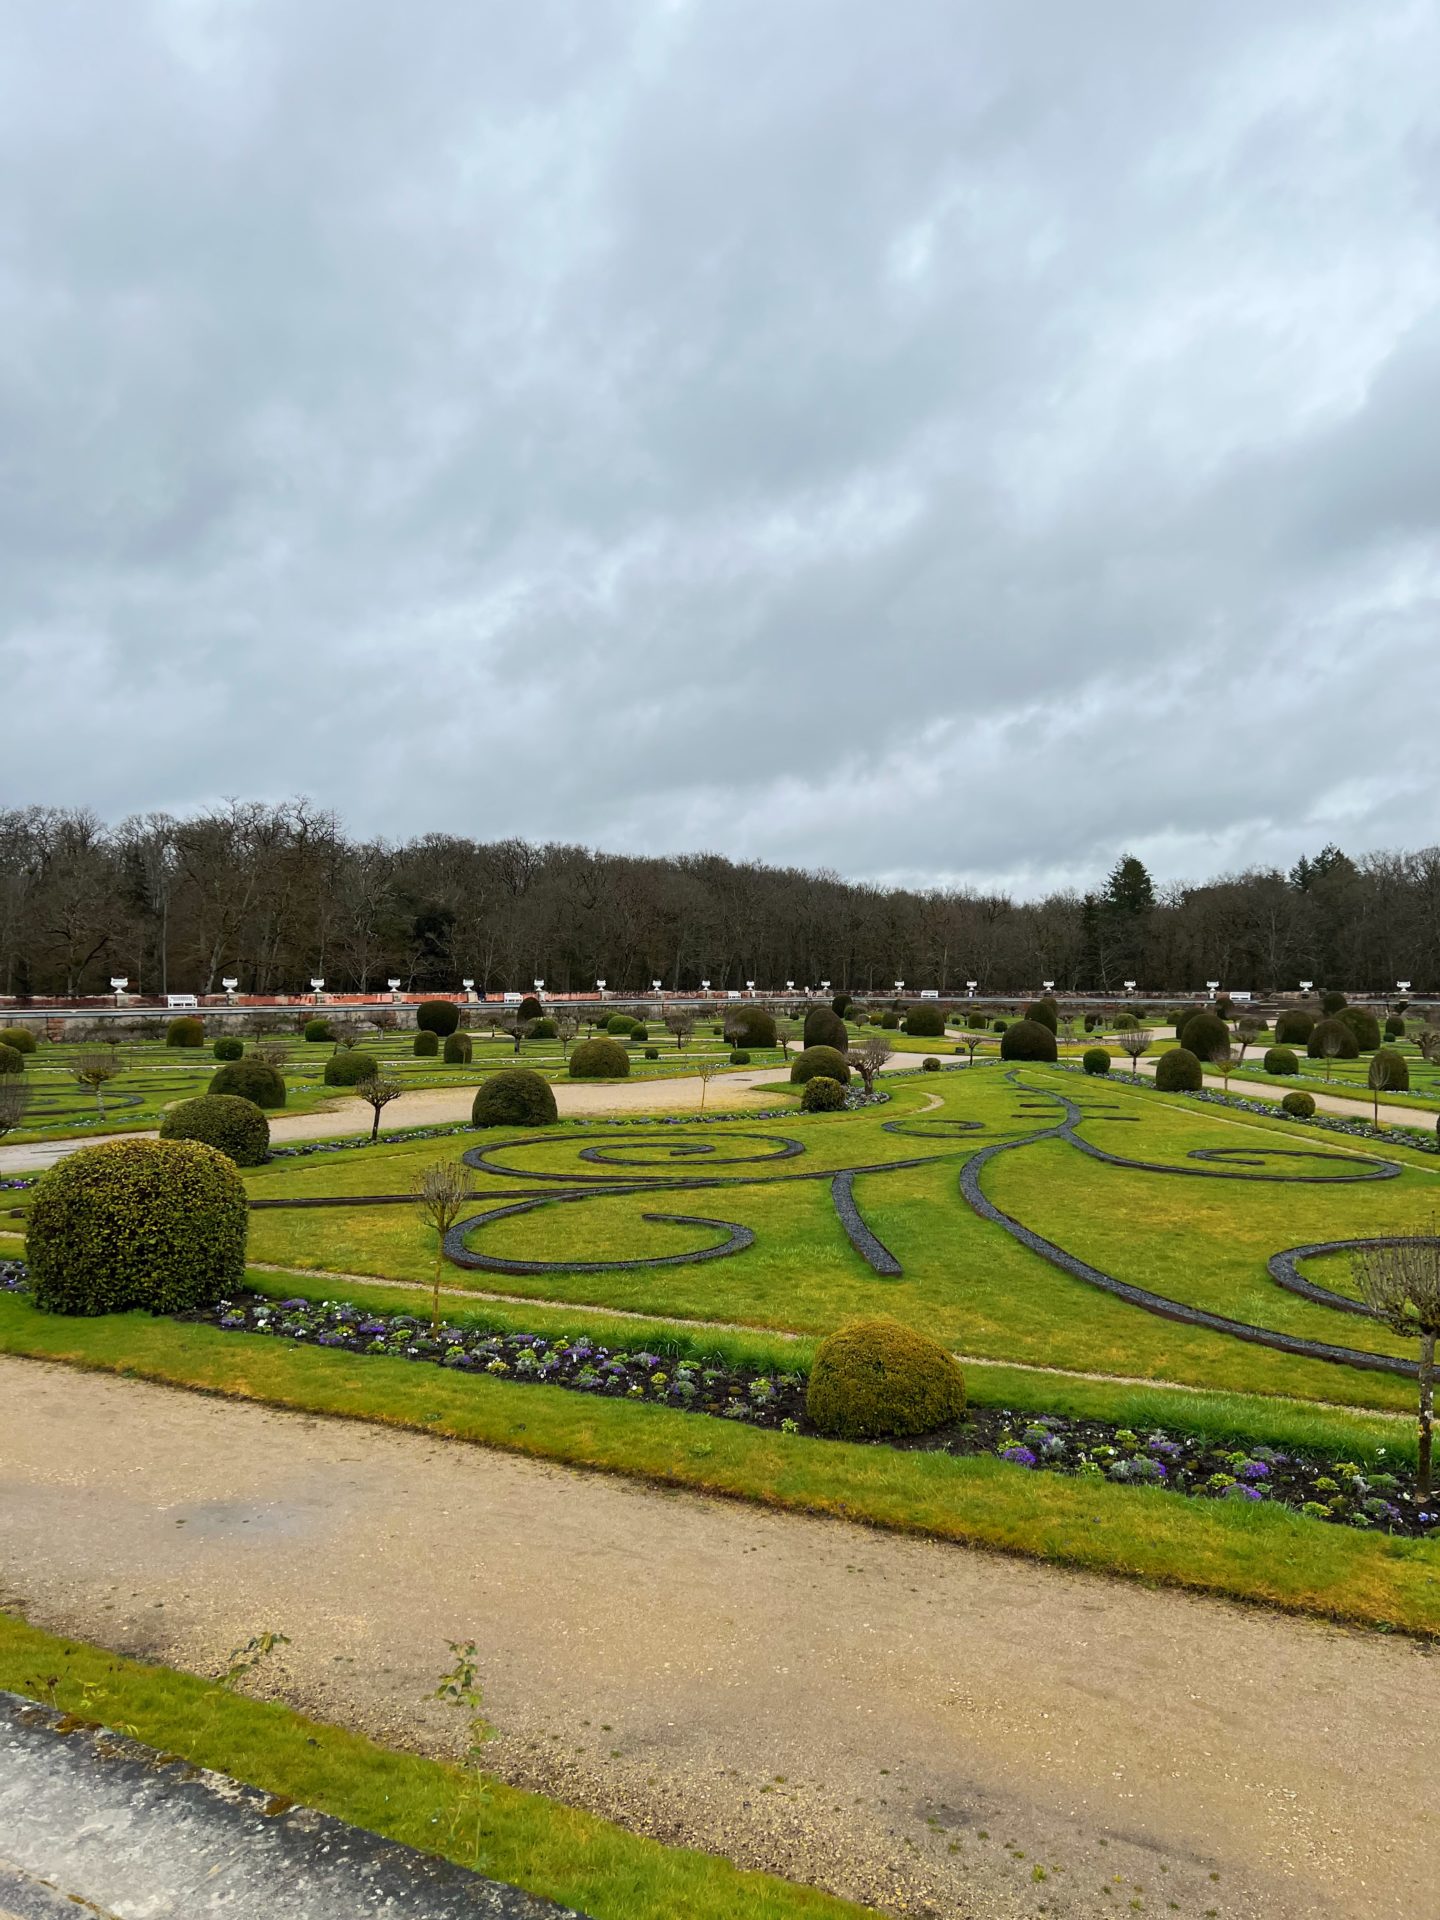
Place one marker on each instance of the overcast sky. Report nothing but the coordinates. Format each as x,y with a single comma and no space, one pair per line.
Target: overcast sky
935,440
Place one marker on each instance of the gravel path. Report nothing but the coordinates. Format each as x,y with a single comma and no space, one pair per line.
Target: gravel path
935,1730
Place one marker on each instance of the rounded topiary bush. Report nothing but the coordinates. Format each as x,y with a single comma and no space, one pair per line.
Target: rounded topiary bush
19,1039
458,1049
1294,1026
930,1064
824,1028
187,1031
1095,1060
1389,1072
250,1080
1204,1034
531,1007
348,1069
542,1029
443,1016
1045,1013
1394,1027
890,1020
639,1031
228,1047
1028,1040
739,1057
977,1022
927,1022
599,1059
157,1224
1281,1060
515,1098
753,1027
11,1061
1300,1106
826,1061
1332,1002
1126,1023
1333,1040
620,1023
235,1127
318,1031
877,1379
822,1095
1001,1025
427,1043
1178,1071
653,1053
1363,1024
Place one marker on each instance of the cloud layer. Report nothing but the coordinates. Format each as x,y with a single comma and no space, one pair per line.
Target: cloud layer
936,441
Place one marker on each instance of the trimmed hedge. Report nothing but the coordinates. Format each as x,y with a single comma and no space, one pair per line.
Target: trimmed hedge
438,1017
841,1005
1294,1026
890,1020
822,1095
876,1379
1044,1013
1204,1034
1331,1003
1388,1071
317,1031
1281,1060
127,1224
235,1127
228,1047
458,1049
1095,1060
517,1097
824,1028
653,1053
427,1043
620,1023
19,1038
1029,1040
1178,1071
599,1059
927,1022
930,1064
348,1069
977,1022
1333,1040
1301,1106
739,1057
1394,1028
542,1029
531,1008
827,1062
639,1031
11,1061
1363,1024
752,1027
250,1080
187,1031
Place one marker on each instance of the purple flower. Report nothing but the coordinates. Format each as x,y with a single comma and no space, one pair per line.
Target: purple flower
1018,1456
1237,1492
1253,1470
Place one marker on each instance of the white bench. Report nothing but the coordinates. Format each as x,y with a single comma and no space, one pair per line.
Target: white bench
173,1000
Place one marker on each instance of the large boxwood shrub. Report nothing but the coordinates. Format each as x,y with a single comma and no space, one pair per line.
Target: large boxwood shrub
1044,1012
751,1027
426,1043
531,1007
11,1061
1294,1026
318,1032
927,1022
542,1029
19,1038
1281,1060
1363,1024
820,1060
1300,1106
517,1097
458,1049
1095,1060
250,1080
1333,1040
876,1379
187,1031
1394,1027
1204,1034
599,1059
125,1224
822,1095
1332,1002
228,1047
1028,1040
824,1028
348,1069
235,1127
1389,1072
437,1016
621,1023
1178,1071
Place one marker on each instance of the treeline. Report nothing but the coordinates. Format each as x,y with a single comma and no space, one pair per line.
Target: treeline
275,895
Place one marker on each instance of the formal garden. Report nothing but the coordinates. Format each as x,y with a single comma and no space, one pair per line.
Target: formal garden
1024,1296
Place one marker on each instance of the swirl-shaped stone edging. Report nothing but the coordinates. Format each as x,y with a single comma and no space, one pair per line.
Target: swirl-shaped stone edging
1284,1270
1134,1296
866,1243
478,1158
923,1129
738,1238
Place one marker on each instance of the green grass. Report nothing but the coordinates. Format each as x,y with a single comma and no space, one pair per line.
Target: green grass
551,1850
1257,1553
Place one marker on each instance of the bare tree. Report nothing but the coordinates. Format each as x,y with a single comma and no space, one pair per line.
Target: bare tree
1247,1031
93,1067
1400,1284
784,1033
706,1071
1428,1041
1388,1074
378,1092
274,1053
518,1030
567,1028
972,1043
681,1022
1135,1041
1332,1043
869,1059
442,1192
14,1101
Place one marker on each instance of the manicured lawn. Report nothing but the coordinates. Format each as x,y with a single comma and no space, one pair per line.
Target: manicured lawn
551,1850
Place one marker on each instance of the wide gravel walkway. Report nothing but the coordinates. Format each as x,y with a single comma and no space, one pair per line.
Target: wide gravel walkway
936,1730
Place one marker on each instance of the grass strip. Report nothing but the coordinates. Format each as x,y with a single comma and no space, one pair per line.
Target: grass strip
556,1851
1254,1552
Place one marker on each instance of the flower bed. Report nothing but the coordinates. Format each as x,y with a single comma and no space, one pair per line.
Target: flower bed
1338,1491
